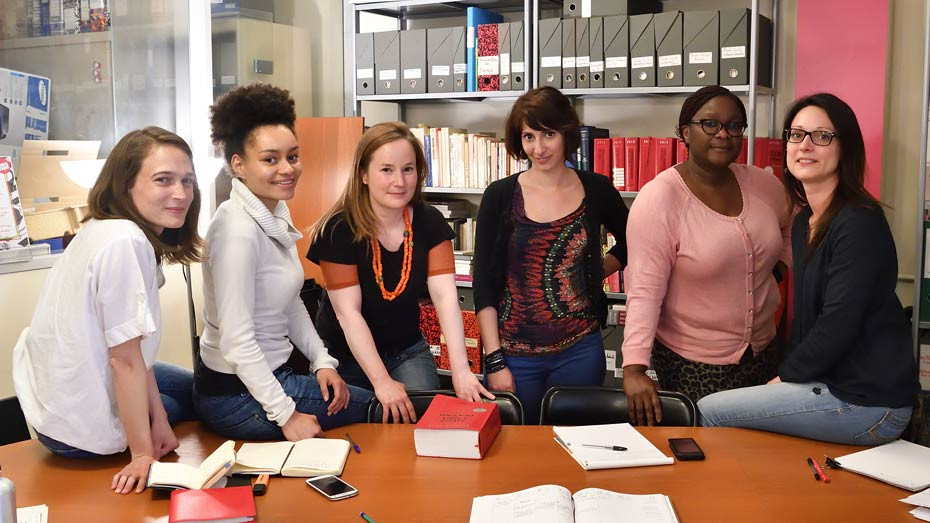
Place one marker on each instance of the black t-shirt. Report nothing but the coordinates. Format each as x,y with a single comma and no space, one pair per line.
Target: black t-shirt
394,325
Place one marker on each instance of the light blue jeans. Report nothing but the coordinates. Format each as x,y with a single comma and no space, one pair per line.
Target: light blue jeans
175,385
414,366
807,410
241,416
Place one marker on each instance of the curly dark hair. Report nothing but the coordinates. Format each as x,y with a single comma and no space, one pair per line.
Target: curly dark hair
700,97
237,113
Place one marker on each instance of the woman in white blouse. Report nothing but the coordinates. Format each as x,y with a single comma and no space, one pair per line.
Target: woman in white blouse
248,386
84,370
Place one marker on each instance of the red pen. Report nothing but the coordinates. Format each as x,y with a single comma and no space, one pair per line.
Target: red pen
812,464
823,475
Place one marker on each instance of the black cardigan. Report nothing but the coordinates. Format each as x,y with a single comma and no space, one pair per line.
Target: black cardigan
495,226
849,329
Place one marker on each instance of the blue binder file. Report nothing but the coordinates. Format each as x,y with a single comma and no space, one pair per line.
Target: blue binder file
475,17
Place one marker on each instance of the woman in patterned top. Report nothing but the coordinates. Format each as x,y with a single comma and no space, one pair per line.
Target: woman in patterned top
538,267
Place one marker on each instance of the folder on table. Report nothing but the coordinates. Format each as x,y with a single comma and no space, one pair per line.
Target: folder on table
387,62
550,52
642,51
616,51
701,47
568,53
364,63
503,50
517,57
413,61
439,49
668,31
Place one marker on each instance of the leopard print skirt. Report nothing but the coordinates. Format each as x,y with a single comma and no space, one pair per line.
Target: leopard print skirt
696,379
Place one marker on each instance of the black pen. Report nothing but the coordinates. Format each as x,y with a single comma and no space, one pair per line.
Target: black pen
354,444
810,463
608,447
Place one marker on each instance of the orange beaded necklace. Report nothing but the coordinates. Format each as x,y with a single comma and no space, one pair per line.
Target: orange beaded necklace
407,263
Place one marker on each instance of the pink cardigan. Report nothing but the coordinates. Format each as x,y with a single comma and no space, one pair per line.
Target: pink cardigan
698,280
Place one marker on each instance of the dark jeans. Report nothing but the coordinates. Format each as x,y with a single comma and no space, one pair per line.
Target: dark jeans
241,416
414,366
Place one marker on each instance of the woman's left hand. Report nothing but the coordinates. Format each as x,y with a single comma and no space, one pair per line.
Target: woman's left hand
330,378
467,386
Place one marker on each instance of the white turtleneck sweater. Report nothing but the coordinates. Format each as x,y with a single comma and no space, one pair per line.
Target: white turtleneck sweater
252,310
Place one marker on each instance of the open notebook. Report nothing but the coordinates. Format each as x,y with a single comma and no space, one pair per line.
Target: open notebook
900,463
303,459
640,451
555,504
180,475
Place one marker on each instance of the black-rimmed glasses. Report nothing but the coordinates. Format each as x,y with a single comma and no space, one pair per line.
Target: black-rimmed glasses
712,127
818,136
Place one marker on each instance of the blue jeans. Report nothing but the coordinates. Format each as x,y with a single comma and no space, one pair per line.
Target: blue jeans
176,387
241,416
807,410
583,363
414,366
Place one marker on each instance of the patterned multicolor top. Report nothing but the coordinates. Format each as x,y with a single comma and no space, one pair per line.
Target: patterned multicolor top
546,306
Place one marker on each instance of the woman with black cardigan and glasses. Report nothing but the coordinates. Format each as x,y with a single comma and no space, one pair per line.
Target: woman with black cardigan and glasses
850,375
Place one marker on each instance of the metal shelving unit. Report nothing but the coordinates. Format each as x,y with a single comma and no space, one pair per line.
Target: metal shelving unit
922,203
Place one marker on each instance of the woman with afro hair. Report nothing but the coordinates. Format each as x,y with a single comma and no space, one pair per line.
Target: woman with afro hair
246,385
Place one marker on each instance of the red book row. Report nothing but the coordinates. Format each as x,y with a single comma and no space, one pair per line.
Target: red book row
632,162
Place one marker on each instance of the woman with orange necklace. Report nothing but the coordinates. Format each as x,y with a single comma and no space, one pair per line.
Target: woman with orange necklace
380,249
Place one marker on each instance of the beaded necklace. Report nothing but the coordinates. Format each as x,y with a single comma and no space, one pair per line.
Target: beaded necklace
405,268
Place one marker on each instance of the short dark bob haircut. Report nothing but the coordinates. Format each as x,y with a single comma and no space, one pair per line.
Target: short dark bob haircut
542,109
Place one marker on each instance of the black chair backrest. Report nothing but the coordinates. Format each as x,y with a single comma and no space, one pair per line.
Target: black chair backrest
575,405
509,406
12,421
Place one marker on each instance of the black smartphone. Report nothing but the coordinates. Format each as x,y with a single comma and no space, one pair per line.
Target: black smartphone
686,449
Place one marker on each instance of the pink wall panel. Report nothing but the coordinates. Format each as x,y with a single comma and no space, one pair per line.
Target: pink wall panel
842,49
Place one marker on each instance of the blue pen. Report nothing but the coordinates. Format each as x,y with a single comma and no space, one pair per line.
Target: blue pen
354,444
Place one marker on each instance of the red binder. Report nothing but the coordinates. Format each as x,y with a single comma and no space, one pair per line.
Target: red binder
647,159
631,154
230,505
488,58
681,155
770,156
664,149
617,161
743,153
602,156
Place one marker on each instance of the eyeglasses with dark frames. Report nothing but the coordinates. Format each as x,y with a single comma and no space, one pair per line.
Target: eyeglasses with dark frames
820,137
712,127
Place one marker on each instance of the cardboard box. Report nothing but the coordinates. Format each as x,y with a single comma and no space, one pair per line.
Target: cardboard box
53,224
43,184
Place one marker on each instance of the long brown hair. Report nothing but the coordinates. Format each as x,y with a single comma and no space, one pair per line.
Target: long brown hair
850,188
355,204
109,199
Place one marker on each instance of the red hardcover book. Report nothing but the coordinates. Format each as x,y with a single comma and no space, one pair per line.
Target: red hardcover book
429,326
455,428
743,153
631,150
664,150
770,156
617,163
602,156
229,505
647,166
488,58
681,155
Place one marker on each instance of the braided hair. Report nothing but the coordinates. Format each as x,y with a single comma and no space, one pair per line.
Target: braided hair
700,97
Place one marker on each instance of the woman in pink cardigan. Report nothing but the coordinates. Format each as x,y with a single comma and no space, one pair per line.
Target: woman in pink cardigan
704,238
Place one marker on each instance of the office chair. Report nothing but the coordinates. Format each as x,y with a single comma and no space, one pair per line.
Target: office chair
509,406
12,421
576,405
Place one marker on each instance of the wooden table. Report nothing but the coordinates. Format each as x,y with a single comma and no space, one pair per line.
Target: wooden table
747,476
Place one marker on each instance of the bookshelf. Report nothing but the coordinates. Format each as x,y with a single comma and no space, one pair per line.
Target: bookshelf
921,327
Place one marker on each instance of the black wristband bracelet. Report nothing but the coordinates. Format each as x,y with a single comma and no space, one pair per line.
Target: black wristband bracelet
494,362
